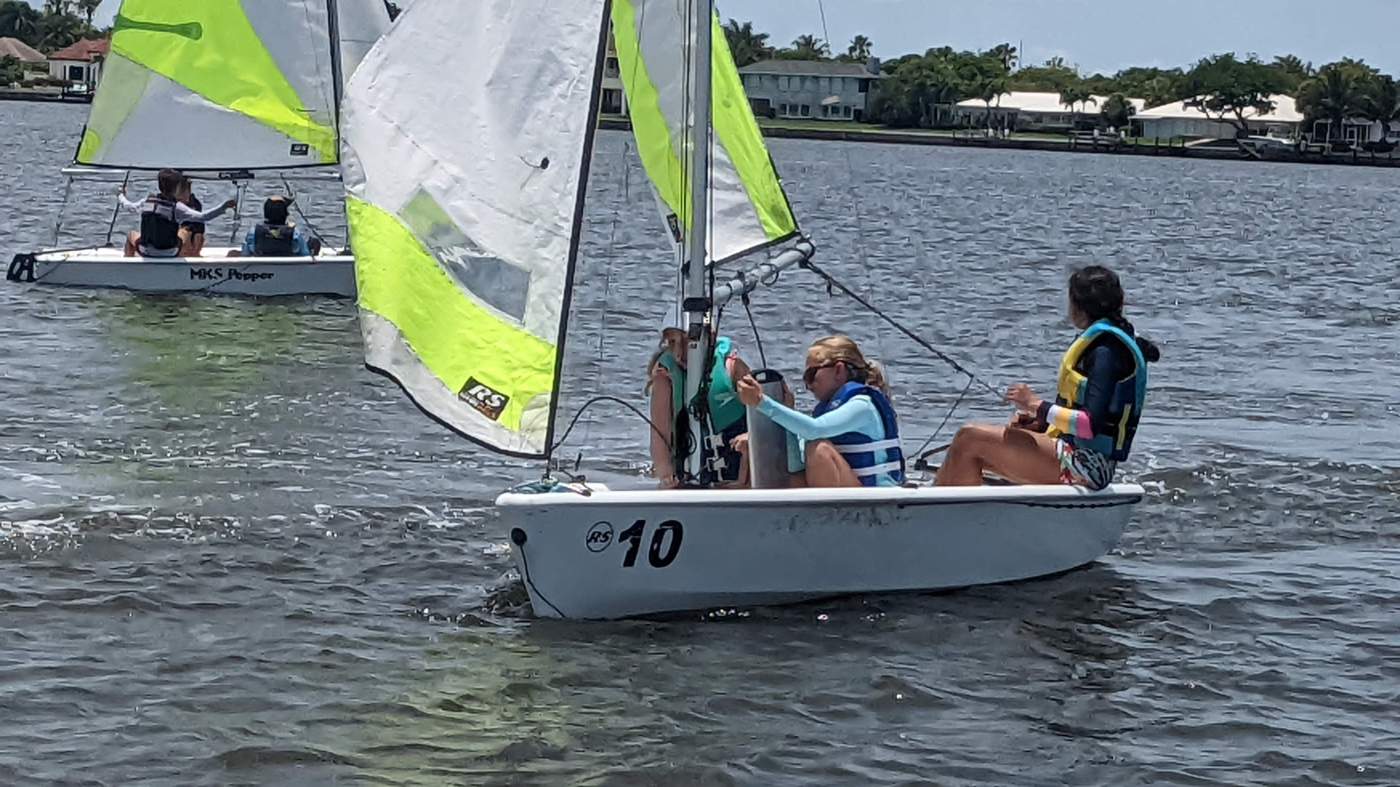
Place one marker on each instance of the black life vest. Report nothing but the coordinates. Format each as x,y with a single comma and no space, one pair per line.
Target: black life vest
160,230
274,240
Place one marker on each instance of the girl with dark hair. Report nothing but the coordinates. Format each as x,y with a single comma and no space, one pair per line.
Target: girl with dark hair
1081,436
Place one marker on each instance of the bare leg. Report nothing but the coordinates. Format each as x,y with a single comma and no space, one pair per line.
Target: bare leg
186,243
826,467
197,244
132,239
1015,454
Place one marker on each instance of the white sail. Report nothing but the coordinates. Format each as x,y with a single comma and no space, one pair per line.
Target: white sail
215,85
361,23
749,209
464,195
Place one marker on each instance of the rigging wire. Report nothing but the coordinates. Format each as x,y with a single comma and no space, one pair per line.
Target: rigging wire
972,379
833,282
613,400
757,337
111,227
296,205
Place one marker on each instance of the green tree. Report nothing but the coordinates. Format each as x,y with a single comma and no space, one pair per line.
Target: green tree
57,31
920,91
747,46
1051,77
859,50
1380,101
1077,95
1006,54
1232,91
11,70
806,47
1156,86
1118,111
88,8
1335,94
19,20
1293,71
985,78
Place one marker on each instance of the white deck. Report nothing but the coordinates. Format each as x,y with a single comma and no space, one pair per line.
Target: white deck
214,272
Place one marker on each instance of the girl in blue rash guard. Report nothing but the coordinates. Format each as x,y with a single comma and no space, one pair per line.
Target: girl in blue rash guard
851,438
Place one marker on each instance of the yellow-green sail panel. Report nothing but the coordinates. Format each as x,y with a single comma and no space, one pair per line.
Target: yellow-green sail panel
270,103
465,225
750,207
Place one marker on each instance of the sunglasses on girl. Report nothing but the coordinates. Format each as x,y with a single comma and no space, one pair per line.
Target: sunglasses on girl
811,373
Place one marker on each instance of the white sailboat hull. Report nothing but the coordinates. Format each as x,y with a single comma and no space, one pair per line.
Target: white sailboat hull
588,556
214,273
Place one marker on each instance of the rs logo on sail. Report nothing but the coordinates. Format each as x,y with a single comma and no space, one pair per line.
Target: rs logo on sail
487,401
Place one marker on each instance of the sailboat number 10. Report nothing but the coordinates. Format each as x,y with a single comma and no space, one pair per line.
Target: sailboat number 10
665,543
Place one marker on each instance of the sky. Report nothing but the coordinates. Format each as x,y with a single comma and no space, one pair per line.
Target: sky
1094,35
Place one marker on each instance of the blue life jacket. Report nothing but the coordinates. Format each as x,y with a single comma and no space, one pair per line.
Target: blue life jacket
868,457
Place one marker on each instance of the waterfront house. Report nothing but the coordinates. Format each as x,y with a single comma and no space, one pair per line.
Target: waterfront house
816,89
1032,111
1178,120
24,53
81,63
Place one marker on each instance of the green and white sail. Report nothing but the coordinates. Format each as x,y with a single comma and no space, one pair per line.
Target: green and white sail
466,137
220,84
748,207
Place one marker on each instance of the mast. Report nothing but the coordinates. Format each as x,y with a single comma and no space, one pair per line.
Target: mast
695,298
333,28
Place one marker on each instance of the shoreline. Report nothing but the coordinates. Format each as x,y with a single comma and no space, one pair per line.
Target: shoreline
1133,147
43,96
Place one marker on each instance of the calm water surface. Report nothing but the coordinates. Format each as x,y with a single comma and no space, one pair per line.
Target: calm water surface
230,555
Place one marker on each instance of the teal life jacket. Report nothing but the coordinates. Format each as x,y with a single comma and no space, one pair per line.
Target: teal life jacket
725,408
1129,392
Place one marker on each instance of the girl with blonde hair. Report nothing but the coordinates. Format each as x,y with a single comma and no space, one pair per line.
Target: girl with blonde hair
852,437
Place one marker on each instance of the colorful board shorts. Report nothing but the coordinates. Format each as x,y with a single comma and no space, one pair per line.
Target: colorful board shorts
1084,467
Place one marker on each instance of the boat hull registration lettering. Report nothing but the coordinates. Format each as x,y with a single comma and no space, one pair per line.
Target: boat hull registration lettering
663,547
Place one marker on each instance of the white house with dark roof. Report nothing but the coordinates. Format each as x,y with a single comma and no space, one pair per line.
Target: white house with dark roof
816,89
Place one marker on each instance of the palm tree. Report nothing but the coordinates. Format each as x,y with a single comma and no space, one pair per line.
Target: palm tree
1380,102
1333,95
859,49
89,9
19,20
1293,70
1007,54
1076,95
1118,111
809,47
745,45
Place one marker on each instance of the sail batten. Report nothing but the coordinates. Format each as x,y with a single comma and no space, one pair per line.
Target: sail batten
749,210
464,205
219,85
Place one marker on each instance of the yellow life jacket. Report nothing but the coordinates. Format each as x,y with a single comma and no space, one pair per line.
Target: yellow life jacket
1129,393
